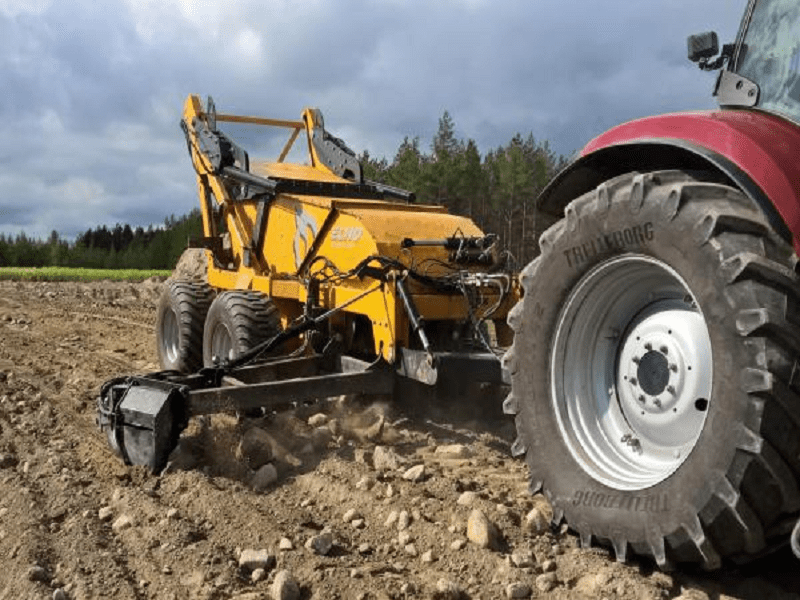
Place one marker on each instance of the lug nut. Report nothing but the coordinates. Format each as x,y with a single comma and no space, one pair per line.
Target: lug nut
671,389
673,367
633,381
636,360
664,349
648,346
657,402
641,398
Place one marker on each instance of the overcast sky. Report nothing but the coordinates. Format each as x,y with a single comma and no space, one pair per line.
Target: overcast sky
91,91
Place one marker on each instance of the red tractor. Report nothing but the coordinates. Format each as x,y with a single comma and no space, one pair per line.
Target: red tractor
655,372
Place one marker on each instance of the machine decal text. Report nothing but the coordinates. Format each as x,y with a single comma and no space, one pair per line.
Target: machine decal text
615,240
650,503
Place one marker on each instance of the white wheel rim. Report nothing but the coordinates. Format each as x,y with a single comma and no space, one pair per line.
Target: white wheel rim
221,343
170,337
631,372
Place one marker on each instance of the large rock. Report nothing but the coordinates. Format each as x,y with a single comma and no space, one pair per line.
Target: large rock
321,544
385,459
482,532
284,587
250,560
264,477
536,522
255,448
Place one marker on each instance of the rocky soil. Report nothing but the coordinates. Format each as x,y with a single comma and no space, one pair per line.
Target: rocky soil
343,500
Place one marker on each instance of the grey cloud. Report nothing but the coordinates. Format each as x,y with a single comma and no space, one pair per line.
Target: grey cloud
93,90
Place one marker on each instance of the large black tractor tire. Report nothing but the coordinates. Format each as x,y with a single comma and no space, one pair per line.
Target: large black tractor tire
654,373
180,316
238,321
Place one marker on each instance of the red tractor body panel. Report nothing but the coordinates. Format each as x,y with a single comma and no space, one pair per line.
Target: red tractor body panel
764,146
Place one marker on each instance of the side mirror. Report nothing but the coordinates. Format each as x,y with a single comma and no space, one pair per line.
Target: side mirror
702,46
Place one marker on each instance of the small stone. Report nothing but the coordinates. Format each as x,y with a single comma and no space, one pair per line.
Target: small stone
518,590
358,523
447,589
59,594
403,538
427,556
123,522
251,559
389,490
549,566
410,549
321,544
264,477
105,513
335,427
318,420
415,474
363,456
364,548
536,522
467,498
284,587
458,544
523,559
166,570
8,461
403,520
385,459
257,575
546,582
482,532
391,519
453,451
350,515
285,544
365,484
37,573
172,514
255,448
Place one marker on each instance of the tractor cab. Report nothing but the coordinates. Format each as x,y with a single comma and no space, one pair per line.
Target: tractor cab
762,68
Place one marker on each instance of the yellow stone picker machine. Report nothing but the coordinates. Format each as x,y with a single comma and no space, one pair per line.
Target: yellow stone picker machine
319,283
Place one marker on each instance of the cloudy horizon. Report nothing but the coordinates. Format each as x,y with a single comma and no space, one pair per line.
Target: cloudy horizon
93,91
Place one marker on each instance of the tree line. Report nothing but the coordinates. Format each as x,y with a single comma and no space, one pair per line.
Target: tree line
121,247
496,190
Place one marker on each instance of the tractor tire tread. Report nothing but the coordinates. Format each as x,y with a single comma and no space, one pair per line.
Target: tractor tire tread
764,291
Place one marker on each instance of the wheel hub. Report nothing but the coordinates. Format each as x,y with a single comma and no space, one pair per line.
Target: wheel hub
653,372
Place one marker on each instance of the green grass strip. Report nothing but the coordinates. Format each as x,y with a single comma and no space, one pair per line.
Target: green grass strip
76,274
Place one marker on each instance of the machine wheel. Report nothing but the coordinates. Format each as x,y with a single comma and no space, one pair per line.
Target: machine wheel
654,369
179,325
238,321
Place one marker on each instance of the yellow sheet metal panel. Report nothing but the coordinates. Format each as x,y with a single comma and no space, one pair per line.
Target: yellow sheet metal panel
294,171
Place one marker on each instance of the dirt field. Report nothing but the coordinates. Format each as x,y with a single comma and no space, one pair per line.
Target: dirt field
370,502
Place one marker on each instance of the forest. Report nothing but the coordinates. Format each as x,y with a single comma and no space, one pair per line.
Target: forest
497,190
